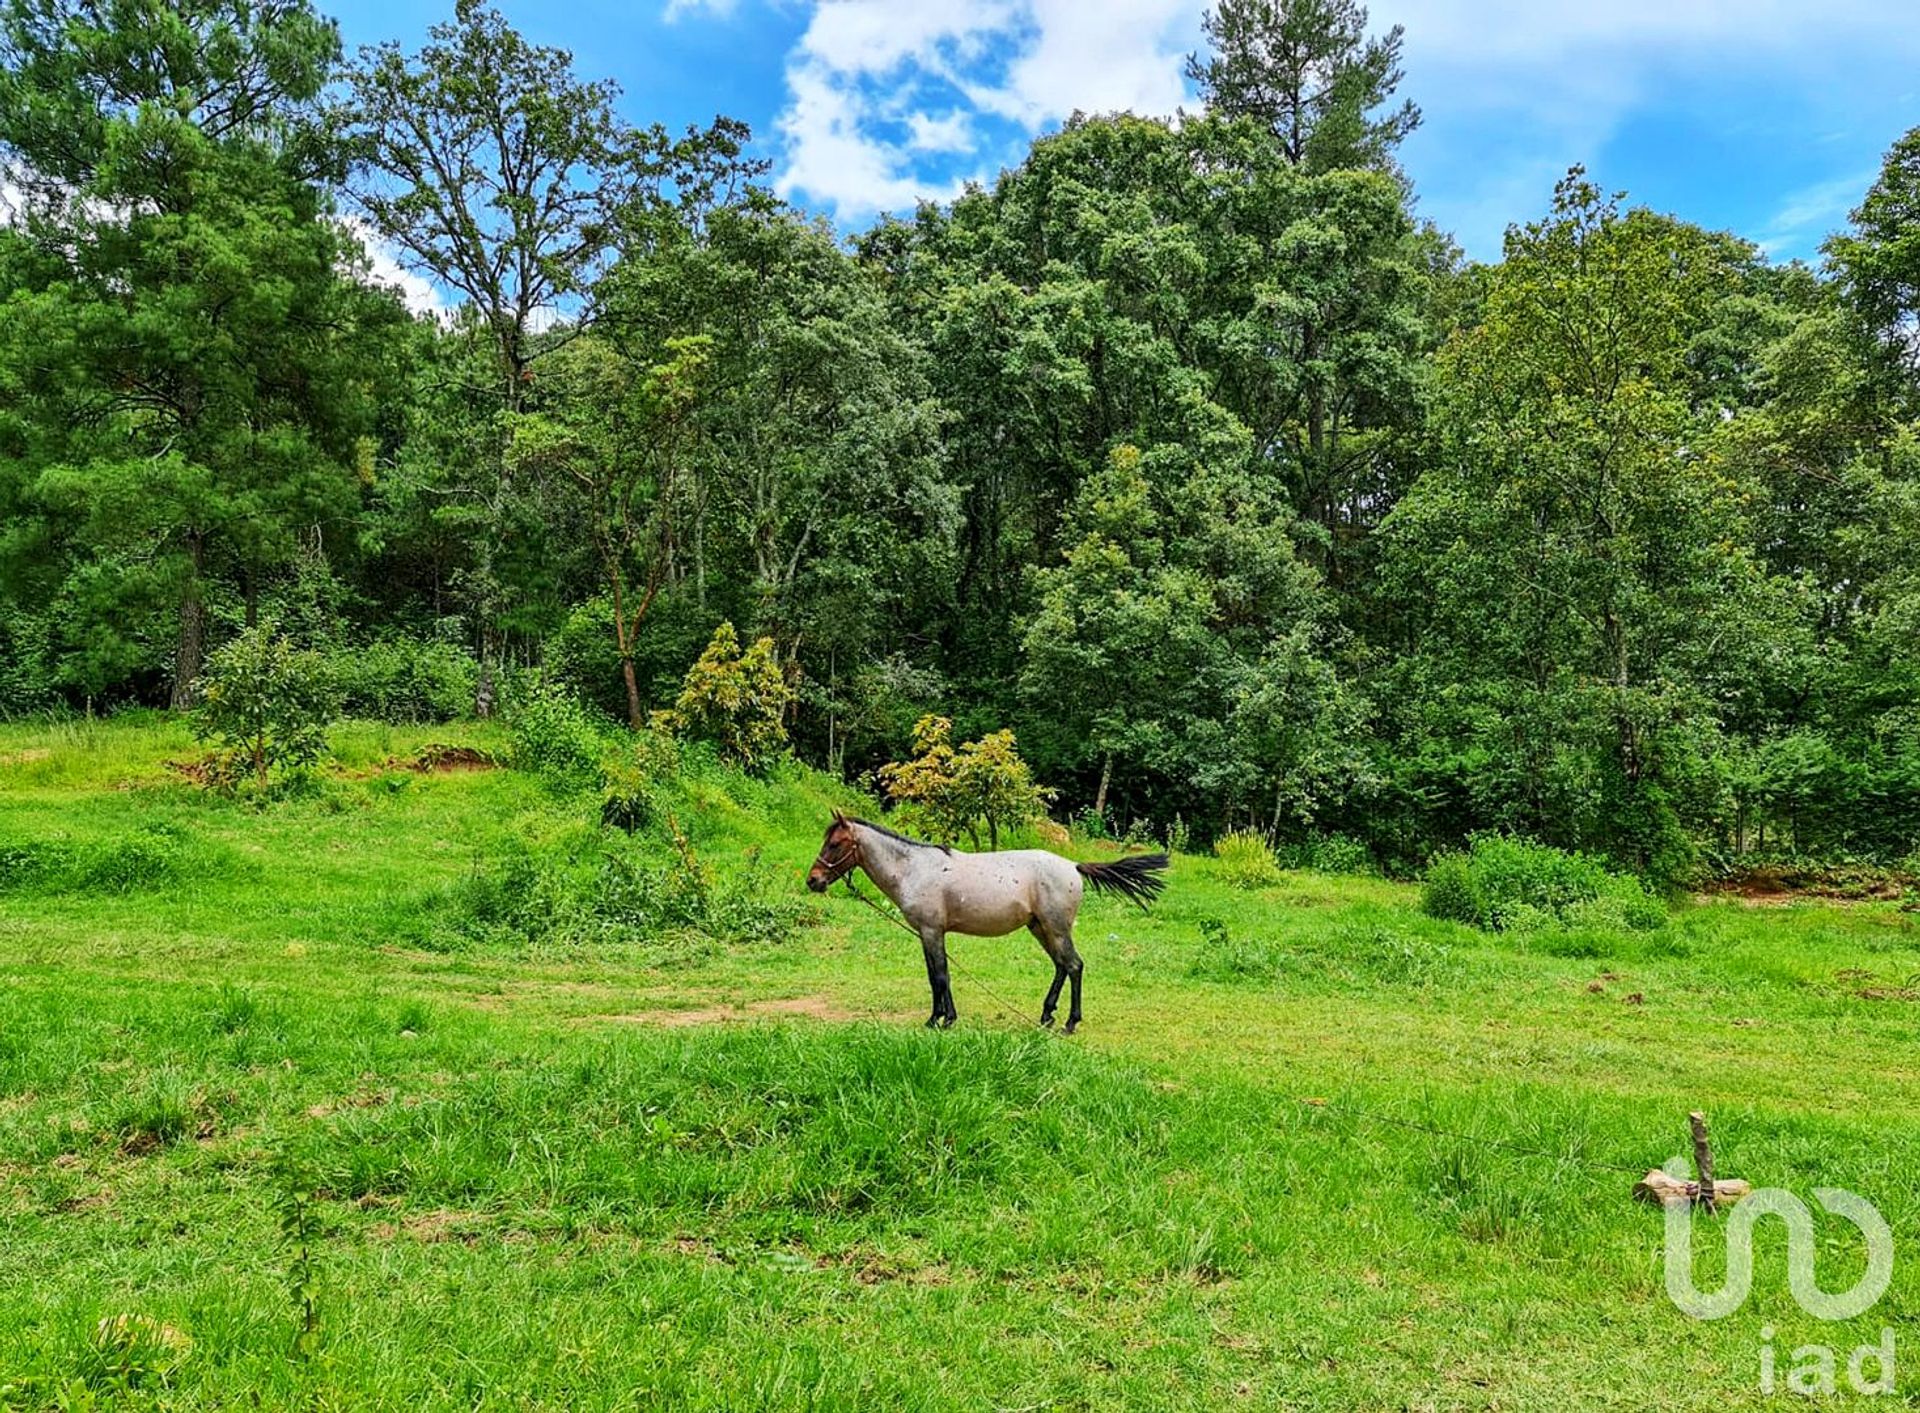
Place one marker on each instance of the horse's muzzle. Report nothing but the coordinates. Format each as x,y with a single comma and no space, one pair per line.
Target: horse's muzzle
816,882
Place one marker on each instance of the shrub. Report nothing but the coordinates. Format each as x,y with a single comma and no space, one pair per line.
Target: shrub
405,680
631,786
953,792
555,738
615,894
266,703
1246,859
1512,884
737,700
1451,892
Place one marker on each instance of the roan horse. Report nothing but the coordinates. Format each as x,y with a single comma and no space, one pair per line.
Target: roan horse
941,890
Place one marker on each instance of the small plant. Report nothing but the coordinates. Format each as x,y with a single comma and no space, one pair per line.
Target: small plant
737,700
1179,836
1246,859
133,1351
300,1231
555,738
266,704
1451,892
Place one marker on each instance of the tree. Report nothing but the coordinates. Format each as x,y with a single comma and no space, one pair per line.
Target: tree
956,791
1307,70
1878,260
1581,546
266,702
195,366
489,167
620,436
737,700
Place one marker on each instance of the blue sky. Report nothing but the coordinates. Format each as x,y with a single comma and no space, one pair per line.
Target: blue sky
1764,117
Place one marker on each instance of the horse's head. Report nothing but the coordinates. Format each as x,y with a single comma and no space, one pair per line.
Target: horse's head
839,855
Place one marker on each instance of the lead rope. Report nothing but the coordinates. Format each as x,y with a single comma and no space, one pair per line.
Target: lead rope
901,923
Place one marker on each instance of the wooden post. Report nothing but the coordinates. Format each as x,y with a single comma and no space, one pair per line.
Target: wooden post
1702,1158
1658,1186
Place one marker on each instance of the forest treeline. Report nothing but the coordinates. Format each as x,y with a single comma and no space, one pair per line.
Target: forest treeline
1186,449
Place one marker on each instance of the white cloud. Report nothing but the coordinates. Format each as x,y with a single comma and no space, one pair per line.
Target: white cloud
890,101
680,9
878,89
1813,211
383,268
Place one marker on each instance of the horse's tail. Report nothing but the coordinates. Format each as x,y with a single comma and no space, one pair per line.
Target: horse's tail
1136,878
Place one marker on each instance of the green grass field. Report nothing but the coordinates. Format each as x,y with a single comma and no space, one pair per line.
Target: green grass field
324,1149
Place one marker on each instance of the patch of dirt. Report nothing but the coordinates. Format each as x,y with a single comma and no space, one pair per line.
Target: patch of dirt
362,1098
27,756
439,758
1778,887
812,1007
438,1225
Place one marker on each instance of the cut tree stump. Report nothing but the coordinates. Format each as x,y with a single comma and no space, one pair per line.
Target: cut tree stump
1663,1187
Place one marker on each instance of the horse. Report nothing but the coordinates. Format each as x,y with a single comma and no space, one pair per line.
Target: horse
939,889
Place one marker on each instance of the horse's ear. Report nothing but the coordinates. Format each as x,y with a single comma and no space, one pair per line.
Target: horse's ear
839,817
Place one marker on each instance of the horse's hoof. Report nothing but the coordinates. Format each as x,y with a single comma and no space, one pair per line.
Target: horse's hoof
933,1022
1046,1022
1072,1026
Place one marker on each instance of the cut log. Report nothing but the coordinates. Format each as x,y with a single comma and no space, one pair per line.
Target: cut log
1663,1187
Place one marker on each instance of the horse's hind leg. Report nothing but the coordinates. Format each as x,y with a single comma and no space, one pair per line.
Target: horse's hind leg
1067,967
934,943
1074,967
1059,973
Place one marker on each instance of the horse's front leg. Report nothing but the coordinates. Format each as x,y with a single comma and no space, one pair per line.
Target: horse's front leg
933,941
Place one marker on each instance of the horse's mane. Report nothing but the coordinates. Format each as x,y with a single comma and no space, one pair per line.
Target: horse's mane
895,834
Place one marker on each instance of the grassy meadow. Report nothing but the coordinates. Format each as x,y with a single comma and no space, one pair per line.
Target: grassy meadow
297,1107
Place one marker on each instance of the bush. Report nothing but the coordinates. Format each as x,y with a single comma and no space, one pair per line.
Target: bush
614,894
1246,859
737,700
405,680
1511,884
1452,893
1330,853
555,738
954,792
266,703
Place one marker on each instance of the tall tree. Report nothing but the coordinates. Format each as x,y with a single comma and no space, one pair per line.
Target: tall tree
1581,547
620,435
1878,259
496,172
1307,70
196,362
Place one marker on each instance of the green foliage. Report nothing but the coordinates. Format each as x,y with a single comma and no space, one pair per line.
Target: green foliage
556,738
1247,859
736,699
155,855
951,792
267,703
1508,883
1307,71
608,894
1451,891
404,680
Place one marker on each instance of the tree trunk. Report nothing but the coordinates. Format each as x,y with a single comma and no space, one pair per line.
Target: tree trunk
190,654
634,717
1106,779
